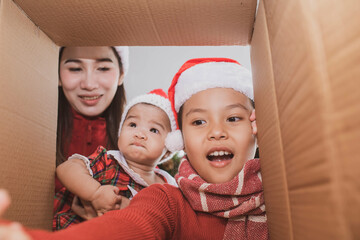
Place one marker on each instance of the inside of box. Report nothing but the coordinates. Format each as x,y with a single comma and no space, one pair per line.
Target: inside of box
304,58
28,101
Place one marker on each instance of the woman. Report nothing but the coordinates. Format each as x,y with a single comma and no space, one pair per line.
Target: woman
91,99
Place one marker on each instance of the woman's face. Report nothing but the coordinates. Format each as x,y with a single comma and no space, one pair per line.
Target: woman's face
89,77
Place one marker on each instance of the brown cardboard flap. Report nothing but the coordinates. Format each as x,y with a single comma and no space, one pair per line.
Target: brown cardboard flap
269,135
153,23
314,50
28,110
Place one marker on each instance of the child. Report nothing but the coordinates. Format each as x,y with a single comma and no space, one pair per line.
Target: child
105,176
220,192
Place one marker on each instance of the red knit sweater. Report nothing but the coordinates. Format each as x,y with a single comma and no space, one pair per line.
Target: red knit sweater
157,212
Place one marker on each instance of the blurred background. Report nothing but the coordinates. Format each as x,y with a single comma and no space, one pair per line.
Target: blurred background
154,67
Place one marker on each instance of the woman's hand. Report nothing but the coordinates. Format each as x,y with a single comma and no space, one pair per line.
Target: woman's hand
86,210
83,208
9,231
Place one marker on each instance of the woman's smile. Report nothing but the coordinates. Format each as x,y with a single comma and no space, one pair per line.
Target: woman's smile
90,100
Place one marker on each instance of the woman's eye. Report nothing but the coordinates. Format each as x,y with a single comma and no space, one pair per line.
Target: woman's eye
74,69
132,125
234,119
154,130
103,69
198,122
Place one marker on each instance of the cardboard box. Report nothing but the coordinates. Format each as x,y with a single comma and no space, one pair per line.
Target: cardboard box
305,57
304,62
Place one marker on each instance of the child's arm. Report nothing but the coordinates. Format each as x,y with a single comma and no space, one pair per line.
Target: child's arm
76,178
9,231
13,231
152,218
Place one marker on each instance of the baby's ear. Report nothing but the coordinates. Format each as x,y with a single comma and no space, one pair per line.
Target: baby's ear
167,154
166,157
253,122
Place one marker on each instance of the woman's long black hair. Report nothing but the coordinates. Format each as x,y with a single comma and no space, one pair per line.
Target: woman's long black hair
112,116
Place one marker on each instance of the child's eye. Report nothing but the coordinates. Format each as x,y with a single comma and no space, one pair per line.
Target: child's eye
234,119
132,125
154,130
198,122
103,69
74,69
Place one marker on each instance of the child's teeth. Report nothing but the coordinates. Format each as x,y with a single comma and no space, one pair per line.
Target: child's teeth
219,153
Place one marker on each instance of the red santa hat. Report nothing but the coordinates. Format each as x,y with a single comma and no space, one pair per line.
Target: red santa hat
200,74
158,98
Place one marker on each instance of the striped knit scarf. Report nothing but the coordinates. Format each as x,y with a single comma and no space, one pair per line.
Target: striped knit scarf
240,200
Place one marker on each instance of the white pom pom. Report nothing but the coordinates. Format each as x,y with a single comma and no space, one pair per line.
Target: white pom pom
174,141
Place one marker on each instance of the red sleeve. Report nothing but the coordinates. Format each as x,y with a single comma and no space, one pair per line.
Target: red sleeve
150,215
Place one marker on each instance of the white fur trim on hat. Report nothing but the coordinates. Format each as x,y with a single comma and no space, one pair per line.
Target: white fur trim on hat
174,141
152,99
211,75
123,52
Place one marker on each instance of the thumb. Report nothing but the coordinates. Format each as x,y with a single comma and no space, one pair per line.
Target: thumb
253,122
252,115
124,202
119,199
116,190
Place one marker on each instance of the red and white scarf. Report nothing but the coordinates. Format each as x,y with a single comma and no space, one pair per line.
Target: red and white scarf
240,200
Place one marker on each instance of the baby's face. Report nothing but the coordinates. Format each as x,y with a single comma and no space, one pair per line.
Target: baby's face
142,136
217,133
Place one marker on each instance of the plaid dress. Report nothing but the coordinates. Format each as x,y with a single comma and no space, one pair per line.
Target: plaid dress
107,167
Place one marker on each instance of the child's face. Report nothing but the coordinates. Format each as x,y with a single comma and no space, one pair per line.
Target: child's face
217,133
142,136
89,77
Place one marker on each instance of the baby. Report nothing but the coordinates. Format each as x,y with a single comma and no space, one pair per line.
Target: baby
104,178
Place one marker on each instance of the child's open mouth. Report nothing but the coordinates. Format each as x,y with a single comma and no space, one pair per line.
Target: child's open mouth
220,156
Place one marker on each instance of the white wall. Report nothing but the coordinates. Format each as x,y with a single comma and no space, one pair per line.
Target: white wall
154,67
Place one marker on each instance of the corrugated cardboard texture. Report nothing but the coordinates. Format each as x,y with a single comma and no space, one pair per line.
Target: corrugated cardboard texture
28,113
305,57
143,22
311,60
269,137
